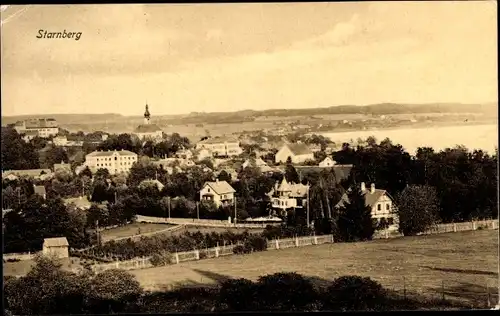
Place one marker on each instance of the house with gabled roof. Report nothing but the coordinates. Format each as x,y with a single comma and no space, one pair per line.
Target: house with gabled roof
220,192
297,152
327,162
381,203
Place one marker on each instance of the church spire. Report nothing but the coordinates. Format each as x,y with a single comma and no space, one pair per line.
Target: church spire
147,116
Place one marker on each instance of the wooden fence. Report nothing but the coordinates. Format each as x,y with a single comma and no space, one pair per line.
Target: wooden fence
197,254
19,256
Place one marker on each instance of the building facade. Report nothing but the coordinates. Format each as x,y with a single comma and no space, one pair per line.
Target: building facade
285,196
43,127
221,146
381,203
148,131
57,247
298,153
220,192
116,161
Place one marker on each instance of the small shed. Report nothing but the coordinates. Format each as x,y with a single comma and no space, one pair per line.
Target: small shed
58,247
40,190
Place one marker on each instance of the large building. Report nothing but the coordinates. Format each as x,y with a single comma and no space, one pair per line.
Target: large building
116,161
148,131
298,153
43,127
221,146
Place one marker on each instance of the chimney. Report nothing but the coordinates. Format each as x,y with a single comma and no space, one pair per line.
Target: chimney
372,188
363,187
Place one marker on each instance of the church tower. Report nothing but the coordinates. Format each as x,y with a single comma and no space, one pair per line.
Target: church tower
147,116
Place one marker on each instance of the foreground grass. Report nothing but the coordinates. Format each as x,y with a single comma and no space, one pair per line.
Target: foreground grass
466,262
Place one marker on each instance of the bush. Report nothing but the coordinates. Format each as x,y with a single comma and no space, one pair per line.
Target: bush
161,259
13,260
285,292
241,249
350,293
238,294
256,243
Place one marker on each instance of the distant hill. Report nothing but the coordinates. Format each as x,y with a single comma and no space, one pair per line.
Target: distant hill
250,115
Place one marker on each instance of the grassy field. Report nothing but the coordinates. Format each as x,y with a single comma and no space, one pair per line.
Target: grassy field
132,229
462,264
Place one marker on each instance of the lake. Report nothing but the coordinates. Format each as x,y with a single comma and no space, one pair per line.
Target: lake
483,137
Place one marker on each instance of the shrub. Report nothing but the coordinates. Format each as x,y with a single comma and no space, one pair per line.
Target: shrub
285,292
203,255
348,293
161,259
13,260
256,243
240,249
238,294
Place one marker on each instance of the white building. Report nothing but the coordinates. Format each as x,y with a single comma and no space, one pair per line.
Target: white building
298,153
148,131
327,162
220,192
57,247
286,196
221,146
380,202
43,127
115,161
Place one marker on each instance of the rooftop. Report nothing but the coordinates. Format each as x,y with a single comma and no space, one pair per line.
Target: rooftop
299,149
220,187
109,153
219,140
147,128
55,242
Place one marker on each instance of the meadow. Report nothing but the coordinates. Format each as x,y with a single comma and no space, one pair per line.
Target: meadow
131,230
450,264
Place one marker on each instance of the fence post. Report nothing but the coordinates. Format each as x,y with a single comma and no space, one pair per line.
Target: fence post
332,239
197,253
177,258
277,244
117,264
296,241
454,227
473,225
217,252
315,240
442,289
404,288
137,264
386,234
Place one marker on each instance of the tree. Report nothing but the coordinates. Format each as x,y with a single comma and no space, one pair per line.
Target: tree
16,154
291,175
355,219
417,209
224,176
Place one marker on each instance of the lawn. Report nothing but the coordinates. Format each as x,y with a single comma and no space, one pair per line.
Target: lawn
462,265
132,229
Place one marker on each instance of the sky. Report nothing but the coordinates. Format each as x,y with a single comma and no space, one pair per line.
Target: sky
182,58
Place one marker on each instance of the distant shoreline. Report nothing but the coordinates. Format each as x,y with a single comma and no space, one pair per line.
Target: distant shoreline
409,126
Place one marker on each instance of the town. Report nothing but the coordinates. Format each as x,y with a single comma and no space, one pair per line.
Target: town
249,157
65,194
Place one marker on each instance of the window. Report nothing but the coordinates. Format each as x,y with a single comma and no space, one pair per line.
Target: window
390,221
387,207
208,190
379,207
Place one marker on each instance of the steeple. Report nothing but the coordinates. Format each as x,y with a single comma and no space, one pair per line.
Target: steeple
146,115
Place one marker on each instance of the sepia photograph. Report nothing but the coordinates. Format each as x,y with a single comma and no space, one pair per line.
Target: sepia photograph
250,157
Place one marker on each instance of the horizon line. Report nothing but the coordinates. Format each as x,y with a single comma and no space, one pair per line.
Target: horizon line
244,110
